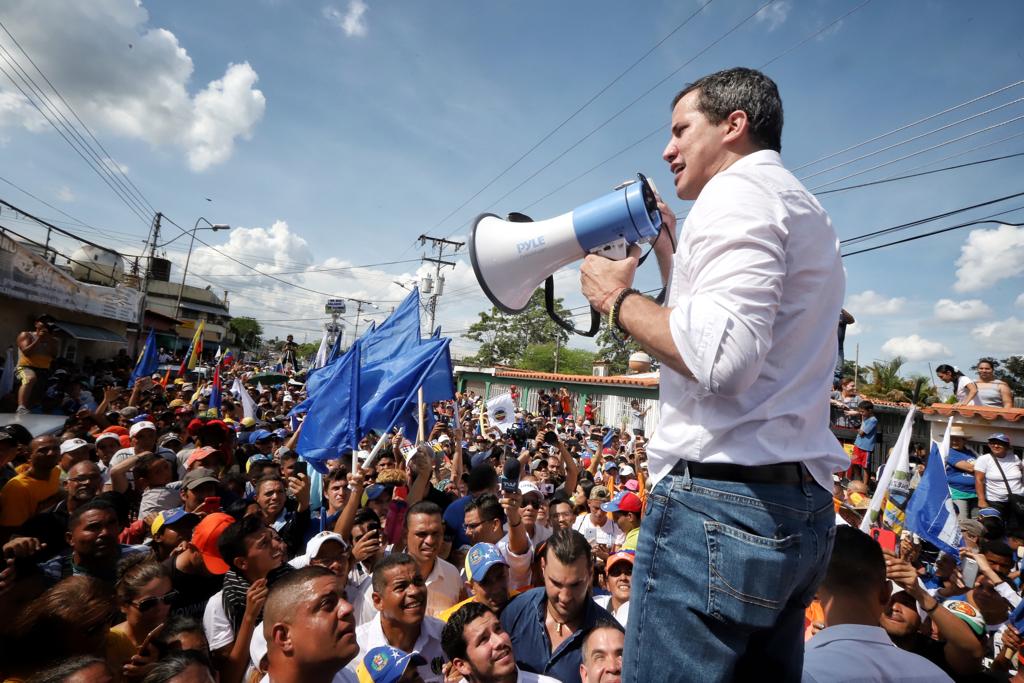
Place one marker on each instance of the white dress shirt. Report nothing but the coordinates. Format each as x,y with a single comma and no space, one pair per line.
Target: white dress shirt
755,291
371,635
851,653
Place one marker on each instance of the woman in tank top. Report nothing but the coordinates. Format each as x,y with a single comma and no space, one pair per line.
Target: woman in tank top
992,391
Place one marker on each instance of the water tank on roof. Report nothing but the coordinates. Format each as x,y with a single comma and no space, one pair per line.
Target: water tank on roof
96,265
639,362
160,269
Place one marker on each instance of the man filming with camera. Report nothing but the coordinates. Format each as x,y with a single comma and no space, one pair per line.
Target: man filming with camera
36,350
742,458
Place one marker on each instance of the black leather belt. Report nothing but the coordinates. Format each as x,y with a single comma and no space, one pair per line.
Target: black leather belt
781,473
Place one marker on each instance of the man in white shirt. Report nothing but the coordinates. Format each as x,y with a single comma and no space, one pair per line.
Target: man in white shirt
481,650
597,526
400,596
852,646
483,525
424,535
747,349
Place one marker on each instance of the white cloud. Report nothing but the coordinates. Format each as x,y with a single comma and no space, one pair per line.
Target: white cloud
1020,300
351,21
948,310
115,166
1002,336
989,256
65,194
774,15
856,328
870,302
135,82
915,348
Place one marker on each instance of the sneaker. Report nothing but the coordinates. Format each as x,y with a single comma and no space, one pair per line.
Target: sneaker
22,410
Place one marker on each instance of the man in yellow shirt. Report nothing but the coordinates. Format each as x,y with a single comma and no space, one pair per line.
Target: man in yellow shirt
488,578
36,350
36,482
625,509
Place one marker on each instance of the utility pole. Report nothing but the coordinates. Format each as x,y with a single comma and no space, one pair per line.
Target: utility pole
437,244
146,273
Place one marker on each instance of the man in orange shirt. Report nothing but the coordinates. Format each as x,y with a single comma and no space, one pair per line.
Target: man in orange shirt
36,482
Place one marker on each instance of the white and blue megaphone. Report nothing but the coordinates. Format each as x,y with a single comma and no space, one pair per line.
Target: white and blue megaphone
512,257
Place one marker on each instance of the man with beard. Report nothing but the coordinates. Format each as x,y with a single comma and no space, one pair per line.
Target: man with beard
548,624
309,628
854,595
602,654
480,650
400,596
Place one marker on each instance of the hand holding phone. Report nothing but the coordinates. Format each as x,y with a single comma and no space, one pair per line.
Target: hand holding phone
969,572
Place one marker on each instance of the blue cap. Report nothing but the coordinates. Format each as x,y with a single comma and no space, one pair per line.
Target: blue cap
611,466
386,664
989,512
172,517
624,501
481,558
281,432
480,457
260,435
374,492
999,436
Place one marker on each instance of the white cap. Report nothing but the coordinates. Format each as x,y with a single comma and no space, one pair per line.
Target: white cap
258,647
313,546
139,426
528,486
626,471
108,435
443,439
72,445
586,423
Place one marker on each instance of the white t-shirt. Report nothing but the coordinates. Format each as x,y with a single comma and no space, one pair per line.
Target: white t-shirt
995,488
530,677
610,534
371,635
621,615
520,567
216,623
444,587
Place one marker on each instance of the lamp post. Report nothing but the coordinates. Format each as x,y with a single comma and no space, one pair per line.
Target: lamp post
214,227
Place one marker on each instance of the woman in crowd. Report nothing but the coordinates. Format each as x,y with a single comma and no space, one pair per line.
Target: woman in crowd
992,391
999,474
964,387
144,594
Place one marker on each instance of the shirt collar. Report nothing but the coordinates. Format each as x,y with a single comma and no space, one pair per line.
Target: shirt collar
872,634
761,156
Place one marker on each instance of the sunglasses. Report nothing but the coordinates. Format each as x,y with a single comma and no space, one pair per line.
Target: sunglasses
149,603
621,568
530,503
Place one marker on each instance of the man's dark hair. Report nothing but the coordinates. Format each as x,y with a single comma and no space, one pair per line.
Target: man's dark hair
387,562
488,507
366,516
453,639
171,666
94,504
339,473
997,547
175,625
146,462
424,507
567,546
857,565
270,477
483,477
866,405
741,89
232,541
63,671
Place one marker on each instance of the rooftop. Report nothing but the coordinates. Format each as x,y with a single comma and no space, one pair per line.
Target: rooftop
972,412
645,380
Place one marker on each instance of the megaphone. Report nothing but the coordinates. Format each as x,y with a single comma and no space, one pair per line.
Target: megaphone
512,257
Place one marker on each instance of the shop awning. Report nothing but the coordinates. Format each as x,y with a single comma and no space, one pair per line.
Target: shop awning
203,308
90,333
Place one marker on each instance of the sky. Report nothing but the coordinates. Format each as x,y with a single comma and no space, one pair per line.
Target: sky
331,134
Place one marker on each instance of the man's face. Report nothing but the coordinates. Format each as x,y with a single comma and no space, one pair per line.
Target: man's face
602,657
265,446
45,453
288,467
72,458
385,462
337,494
95,535
404,599
696,149
334,556
194,497
480,531
493,590
620,579
271,498
425,534
1000,565
381,503
567,586
597,516
901,618
144,440
488,650
83,482
323,628
360,530
262,555
563,516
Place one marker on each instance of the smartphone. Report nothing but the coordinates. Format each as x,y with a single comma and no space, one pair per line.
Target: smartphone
547,488
301,467
969,572
887,539
210,505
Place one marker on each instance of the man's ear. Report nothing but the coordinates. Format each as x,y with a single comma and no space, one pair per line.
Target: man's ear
281,636
735,125
240,564
378,602
462,666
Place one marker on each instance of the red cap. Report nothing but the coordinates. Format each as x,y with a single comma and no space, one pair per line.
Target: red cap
117,429
205,537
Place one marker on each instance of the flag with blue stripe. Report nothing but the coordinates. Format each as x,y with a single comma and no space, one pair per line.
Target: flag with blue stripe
930,513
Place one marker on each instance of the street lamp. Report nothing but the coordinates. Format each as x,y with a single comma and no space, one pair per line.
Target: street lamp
213,226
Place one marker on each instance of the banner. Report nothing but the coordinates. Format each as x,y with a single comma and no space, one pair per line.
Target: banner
899,460
501,412
930,513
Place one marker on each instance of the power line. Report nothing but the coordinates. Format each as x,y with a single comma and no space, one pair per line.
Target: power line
987,219
923,173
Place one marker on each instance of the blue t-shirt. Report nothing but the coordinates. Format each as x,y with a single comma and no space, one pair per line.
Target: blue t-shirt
870,429
958,479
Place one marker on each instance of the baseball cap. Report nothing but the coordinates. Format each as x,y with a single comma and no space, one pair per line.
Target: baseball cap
989,512
72,445
443,438
624,501
139,426
248,421
261,435
632,485
176,403
480,457
317,542
972,526
858,501
586,423
999,436
527,486
611,465
626,471
198,454
968,613
374,492
600,493
619,556
168,517
128,412
259,457
168,438
199,475
480,558
386,664
205,537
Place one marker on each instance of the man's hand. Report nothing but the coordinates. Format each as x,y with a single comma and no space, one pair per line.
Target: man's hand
902,573
368,545
23,547
510,504
298,487
256,597
667,238
602,279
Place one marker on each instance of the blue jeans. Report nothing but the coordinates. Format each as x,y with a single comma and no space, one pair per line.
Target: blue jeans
723,573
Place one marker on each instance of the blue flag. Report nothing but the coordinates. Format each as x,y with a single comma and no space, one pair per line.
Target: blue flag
148,361
333,419
607,441
393,398
437,333
930,513
399,332
215,391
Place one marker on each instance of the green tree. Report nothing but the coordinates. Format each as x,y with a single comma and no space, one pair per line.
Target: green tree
888,385
504,337
247,332
862,372
541,357
615,352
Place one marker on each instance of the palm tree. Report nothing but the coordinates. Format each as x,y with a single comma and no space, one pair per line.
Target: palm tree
887,384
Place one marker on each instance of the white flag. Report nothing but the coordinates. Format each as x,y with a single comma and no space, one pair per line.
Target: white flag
501,412
899,458
321,354
242,394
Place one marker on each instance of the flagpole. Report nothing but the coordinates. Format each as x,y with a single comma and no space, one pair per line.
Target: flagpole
373,454
420,417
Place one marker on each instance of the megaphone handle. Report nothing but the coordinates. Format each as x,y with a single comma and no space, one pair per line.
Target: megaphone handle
549,303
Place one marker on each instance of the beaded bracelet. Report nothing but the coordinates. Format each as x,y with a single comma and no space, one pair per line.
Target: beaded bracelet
613,313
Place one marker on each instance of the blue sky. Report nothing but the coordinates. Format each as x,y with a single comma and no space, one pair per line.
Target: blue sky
332,134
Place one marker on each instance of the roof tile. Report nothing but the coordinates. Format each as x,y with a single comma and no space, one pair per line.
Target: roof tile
984,412
512,373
